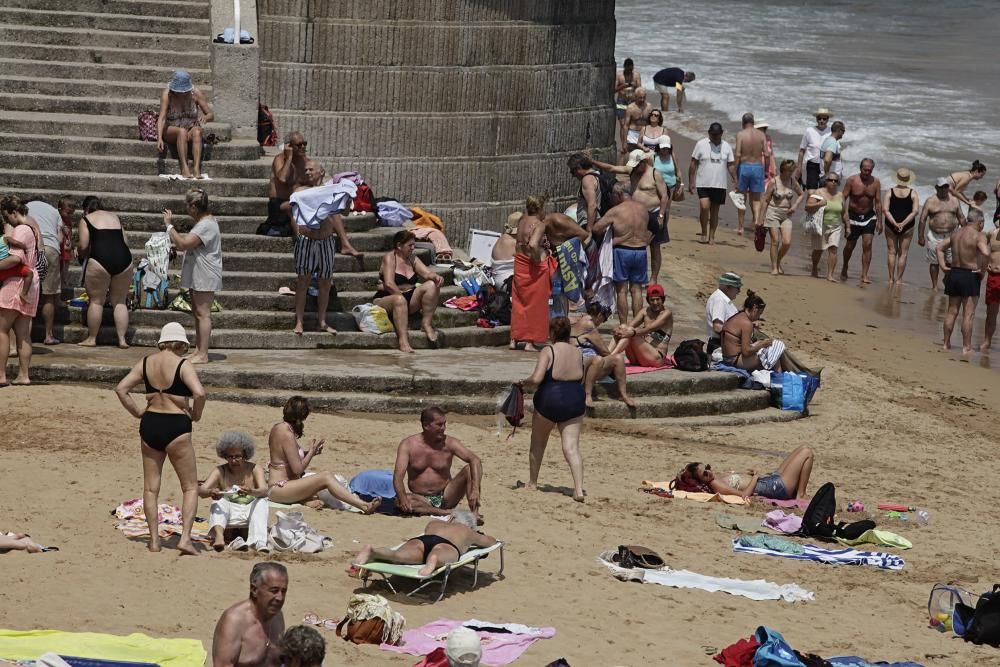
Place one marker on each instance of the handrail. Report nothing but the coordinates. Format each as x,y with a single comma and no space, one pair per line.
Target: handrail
236,22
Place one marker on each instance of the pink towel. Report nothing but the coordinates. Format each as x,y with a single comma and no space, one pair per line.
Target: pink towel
499,648
668,362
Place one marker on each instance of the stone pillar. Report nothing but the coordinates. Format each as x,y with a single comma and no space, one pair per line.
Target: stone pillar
463,107
236,69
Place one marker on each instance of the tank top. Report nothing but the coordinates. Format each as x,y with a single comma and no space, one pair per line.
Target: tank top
666,170
900,207
832,213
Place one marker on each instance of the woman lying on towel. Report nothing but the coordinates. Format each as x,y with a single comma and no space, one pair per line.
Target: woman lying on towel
787,482
741,347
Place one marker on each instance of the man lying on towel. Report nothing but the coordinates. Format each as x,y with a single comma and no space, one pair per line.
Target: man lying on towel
443,542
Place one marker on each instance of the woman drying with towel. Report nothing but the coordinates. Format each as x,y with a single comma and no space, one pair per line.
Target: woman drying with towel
787,482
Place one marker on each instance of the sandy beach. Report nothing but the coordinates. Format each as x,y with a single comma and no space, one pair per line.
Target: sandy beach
896,420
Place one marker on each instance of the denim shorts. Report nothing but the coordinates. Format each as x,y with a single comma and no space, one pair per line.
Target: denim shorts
771,486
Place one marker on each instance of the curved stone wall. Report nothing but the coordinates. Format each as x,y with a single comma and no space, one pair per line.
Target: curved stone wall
462,106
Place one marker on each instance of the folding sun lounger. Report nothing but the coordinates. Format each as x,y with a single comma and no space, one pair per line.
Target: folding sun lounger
471,557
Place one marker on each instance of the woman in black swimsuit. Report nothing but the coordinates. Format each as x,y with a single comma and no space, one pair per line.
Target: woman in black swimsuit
401,295
165,427
108,268
901,206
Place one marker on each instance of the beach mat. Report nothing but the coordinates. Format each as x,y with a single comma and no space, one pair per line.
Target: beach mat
31,644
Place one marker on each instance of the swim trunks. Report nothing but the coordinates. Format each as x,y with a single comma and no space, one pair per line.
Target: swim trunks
862,224
660,234
992,288
315,256
933,239
630,266
716,196
620,109
751,177
433,499
962,282
632,138
771,486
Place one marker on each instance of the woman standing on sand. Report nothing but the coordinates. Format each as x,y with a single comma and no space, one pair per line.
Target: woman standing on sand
901,205
165,427
781,199
288,480
831,200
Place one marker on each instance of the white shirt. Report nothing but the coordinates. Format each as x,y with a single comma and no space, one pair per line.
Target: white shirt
812,140
719,307
713,161
48,220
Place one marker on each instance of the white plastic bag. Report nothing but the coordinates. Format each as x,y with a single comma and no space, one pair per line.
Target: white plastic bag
372,318
292,533
158,253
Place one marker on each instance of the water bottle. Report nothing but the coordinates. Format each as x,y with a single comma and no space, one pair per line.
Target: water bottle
923,517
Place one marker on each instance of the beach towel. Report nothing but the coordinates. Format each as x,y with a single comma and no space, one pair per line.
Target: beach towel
571,276
529,320
882,538
668,362
829,556
422,218
855,661
782,523
699,497
352,176
435,236
503,643
757,589
392,214
310,207
32,644
604,285
747,381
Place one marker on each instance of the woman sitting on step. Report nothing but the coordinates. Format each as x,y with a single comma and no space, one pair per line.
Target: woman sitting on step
183,110
288,480
401,294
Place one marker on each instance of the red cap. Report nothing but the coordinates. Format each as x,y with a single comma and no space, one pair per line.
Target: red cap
654,291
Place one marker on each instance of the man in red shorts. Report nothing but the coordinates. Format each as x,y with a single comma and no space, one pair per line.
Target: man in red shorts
992,289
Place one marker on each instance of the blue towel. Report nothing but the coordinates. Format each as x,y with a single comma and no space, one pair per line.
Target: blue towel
374,483
830,556
855,661
748,381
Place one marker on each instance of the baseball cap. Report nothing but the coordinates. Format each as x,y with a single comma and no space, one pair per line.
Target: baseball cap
635,157
463,647
173,332
941,182
730,279
654,290
663,141
715,128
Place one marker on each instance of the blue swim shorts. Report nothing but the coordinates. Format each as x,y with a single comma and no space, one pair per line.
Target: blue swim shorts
631,266
771,486
751,177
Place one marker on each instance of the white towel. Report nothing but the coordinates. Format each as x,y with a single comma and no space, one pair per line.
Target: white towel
604,288
314,205
770,355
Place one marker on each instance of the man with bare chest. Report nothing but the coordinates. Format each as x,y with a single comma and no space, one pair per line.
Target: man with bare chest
636,118
629,221
422,474
963,276
248,633
992,288
938,219
288,172
750,145
863,193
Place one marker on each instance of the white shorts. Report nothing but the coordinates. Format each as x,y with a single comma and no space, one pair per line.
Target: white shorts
830,238
933,240
632,137
666,90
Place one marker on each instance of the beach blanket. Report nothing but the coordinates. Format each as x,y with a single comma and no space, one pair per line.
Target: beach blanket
433,235
314,205
698,497
31,644
503,643
757,589
571,276
668,362
529,318
829,556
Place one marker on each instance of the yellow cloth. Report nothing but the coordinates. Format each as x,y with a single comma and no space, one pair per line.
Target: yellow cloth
30,644
422,218
698,497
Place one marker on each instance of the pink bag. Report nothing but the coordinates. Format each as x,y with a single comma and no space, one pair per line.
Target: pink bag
147,125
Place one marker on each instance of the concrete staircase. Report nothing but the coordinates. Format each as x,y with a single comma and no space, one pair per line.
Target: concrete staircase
75,76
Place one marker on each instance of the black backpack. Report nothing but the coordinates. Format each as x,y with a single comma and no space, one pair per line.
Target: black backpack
605,182
690,355
982,624
494,304
818,518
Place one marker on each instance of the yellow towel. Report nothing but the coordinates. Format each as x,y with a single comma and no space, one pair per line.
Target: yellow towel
30,644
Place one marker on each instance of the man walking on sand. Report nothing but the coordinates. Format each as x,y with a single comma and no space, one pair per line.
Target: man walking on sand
810,151
863,193
750,147
963,277
992,288
942,213
712,164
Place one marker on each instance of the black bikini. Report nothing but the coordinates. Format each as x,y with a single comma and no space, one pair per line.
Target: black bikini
401,282
108,248
431,541
159,429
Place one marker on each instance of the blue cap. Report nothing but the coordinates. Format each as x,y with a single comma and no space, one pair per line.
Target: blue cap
181,82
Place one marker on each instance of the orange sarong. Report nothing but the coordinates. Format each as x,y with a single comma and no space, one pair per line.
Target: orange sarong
529,315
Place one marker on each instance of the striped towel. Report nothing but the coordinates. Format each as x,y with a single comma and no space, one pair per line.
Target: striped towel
770,355
830,556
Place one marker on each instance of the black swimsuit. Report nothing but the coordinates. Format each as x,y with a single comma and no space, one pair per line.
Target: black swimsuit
560,400
108,248
159,429
899,208
431,541
401,282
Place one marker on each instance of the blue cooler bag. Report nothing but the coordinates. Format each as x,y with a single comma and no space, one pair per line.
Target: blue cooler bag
793,391
774,651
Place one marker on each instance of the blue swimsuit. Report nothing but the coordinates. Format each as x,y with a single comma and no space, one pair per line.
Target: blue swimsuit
559,400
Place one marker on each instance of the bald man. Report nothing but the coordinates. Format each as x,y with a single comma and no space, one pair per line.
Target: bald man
288,172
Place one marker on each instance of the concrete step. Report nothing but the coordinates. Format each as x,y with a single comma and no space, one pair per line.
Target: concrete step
252,188
243,225
88,71
89,88
106,21
70,104
193,60
66,127
251,339
176,8
38,146
97,163
40,35
148,203
763,416
279,262
373,245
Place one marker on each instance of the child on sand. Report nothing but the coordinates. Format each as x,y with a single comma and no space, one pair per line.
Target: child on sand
22,270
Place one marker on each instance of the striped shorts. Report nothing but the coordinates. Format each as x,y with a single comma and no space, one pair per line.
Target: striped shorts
313,256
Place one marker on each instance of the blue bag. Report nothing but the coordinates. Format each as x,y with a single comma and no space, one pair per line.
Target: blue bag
793,391
774,651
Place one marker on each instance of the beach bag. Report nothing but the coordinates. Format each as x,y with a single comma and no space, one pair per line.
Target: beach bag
158,253
812,223
267,131
635,556
793,391
678,193
372,319
690,355
941,605
817,520
513,407
147,125
982,624
494,304
364,201
147,294
774,651
370,620
291,533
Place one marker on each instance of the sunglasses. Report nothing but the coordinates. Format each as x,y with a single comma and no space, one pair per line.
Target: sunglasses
822,118
301,144
833,180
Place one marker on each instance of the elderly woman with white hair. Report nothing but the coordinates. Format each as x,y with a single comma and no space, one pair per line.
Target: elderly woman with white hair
239,492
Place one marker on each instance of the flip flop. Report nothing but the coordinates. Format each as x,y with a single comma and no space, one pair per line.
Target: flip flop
286,291
54,341
48,549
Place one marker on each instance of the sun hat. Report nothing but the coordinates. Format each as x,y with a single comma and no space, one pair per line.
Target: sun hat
941,182
730,279
635,157
904,176
822,111
654,290
181,82
463,647
760,125
510,227
663,142
173,332
715,128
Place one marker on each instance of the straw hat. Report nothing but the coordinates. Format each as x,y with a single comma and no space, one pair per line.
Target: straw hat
173,332
761,125
822,111
904,176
